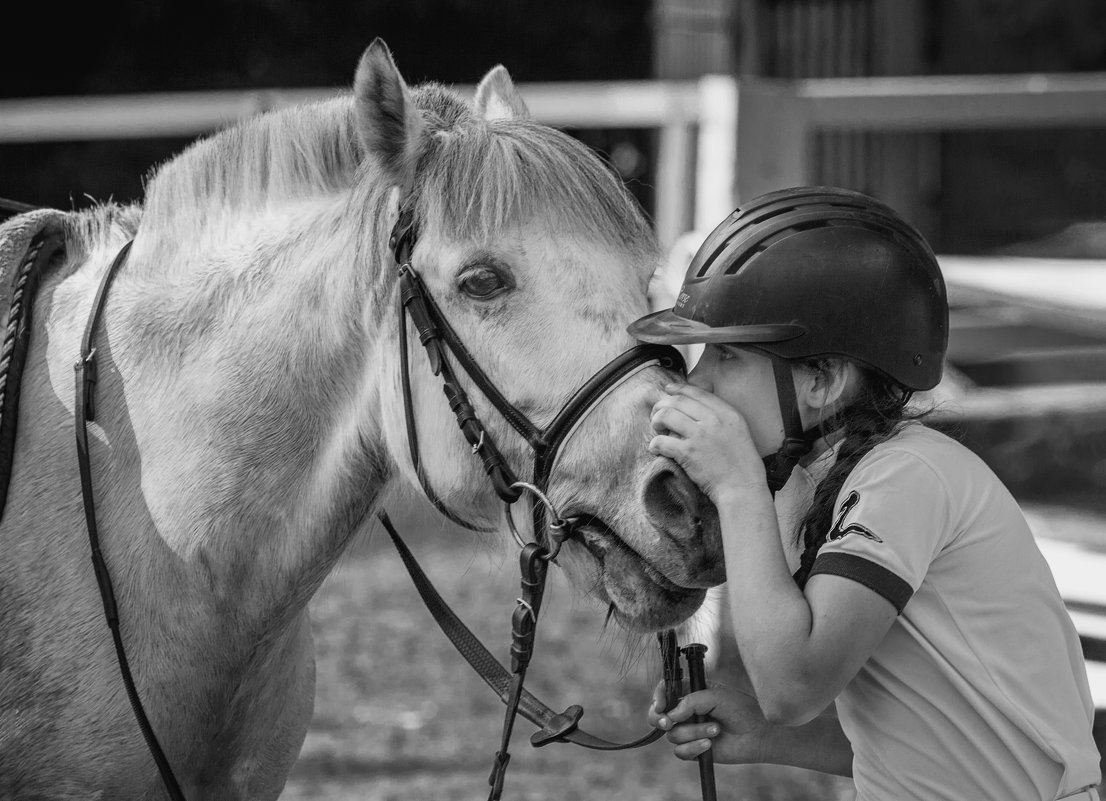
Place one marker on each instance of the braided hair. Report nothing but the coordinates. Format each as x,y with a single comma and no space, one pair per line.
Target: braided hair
873,416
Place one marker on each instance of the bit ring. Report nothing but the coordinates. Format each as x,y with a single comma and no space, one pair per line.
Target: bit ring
558,526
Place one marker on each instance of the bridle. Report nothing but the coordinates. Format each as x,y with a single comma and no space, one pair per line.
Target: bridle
550,529
437,336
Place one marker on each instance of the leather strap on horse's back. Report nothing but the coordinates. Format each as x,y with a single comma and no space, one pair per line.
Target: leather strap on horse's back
13,351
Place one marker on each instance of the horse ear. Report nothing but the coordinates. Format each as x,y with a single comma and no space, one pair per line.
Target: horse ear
388,123
498,99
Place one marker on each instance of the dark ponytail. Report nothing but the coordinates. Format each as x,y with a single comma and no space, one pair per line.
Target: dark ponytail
872,417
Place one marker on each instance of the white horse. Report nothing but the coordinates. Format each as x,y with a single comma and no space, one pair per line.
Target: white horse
249,419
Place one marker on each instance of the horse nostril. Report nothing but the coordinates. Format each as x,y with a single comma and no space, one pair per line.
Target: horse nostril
672,505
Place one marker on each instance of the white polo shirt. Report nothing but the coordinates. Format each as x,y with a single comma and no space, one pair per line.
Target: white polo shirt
979,690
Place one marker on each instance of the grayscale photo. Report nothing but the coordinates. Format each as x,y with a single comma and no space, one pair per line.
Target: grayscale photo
667,400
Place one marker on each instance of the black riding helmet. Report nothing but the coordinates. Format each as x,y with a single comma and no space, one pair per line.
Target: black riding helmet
814,271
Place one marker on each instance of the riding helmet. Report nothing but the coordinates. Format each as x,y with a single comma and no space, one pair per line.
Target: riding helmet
815,271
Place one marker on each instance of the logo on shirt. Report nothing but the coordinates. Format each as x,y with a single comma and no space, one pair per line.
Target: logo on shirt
837,533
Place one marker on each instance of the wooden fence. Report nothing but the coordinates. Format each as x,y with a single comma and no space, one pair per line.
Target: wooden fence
720,139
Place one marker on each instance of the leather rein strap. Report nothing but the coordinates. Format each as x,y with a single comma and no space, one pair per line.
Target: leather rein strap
438,337
85,412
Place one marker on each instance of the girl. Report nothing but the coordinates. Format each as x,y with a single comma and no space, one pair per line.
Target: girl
921,609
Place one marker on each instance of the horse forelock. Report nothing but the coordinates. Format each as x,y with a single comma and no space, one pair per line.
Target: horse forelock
477,177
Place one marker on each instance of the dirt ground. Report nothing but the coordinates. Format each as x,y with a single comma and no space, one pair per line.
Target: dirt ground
400,715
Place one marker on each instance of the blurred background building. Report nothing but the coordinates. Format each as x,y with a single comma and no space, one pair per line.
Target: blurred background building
970,191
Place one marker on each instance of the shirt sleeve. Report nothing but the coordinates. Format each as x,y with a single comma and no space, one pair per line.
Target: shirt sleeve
890,522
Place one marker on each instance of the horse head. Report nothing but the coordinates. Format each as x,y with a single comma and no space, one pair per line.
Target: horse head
538,258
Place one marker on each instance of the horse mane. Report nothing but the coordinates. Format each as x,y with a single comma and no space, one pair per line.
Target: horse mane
474,176
294,153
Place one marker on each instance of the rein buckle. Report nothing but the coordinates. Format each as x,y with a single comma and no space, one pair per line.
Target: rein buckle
87,369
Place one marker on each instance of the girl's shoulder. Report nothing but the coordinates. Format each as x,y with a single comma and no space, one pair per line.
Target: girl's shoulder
925,456
915,438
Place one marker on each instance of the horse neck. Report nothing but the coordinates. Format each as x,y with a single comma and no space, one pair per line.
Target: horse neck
250,396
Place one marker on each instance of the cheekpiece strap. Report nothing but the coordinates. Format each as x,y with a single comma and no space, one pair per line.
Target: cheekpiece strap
403,236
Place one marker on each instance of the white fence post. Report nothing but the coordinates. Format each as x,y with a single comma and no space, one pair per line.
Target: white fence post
716,166
674,182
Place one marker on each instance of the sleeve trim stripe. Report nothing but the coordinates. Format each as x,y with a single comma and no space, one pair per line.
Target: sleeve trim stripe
864,571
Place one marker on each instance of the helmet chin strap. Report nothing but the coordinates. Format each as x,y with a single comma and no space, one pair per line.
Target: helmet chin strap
797,441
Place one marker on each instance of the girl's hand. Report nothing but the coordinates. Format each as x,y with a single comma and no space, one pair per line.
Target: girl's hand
709,439
735,731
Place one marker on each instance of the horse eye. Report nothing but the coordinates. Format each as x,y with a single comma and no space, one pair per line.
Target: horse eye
483,284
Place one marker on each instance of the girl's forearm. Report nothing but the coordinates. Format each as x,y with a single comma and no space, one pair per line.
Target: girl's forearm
771,617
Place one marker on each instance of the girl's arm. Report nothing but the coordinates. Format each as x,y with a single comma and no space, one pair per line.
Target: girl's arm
800,648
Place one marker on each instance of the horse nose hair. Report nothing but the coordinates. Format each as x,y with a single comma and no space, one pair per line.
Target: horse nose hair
672,504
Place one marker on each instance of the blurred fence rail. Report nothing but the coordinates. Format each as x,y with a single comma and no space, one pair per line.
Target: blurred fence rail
720,139
671,107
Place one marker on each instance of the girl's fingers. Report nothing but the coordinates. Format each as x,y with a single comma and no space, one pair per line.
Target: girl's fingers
703,403
670,418
691,391
692,407
701,702
690,732
671,447
691,750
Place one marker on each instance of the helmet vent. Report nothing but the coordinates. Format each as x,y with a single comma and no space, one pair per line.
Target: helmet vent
745,225
749,255
767,242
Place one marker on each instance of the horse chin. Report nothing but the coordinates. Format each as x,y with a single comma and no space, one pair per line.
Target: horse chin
641,597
